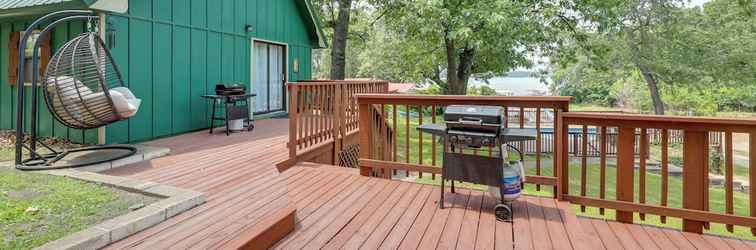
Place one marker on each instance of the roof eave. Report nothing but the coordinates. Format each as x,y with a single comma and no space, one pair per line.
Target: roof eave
119,6
322,43
40,9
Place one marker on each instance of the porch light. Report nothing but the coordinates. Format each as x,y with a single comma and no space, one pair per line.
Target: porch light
110,34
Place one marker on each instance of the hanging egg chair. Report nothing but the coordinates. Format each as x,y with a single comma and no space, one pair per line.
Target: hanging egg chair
83,87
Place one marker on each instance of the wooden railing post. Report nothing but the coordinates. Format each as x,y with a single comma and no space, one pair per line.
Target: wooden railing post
338,121
366,135
752,174
561,138
625,170
293,120
695,164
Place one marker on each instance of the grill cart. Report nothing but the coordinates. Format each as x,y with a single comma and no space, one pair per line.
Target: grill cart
235,101
469,129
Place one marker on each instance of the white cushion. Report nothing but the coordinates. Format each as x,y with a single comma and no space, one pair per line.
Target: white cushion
125,92
67,84
125,103
74,88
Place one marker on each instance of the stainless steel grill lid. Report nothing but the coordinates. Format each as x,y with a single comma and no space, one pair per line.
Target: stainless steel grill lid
474,118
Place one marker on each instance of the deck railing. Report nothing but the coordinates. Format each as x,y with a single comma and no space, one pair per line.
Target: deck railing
598,160
625,186
412,153
325,112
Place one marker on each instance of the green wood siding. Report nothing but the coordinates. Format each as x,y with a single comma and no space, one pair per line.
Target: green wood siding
172,52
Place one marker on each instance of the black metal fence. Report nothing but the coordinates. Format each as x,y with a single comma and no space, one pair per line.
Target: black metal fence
593,141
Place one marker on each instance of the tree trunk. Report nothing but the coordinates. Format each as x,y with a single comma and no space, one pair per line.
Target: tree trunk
452,81
340,33
465,69
653,87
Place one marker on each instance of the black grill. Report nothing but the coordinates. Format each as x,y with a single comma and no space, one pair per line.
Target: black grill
466,129
470,129
230,89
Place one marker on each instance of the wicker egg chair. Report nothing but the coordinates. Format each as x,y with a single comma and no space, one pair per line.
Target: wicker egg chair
83,87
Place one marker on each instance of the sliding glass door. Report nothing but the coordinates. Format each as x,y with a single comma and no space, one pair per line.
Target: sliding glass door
268,77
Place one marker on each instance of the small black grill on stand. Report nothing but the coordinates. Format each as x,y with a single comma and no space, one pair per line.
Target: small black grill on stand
468,129
235,101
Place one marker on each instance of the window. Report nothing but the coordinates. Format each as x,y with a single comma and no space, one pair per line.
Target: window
13,61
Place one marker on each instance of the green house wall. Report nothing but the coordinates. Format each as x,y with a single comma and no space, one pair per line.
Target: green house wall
172,52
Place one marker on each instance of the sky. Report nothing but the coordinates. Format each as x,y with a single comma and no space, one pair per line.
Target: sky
698,2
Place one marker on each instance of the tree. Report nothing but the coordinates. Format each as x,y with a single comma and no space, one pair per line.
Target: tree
340,33
675,49
454,39
639,24
349,26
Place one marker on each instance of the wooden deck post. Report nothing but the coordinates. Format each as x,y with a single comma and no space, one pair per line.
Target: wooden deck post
293,120
561,138
752,173
695,165
366,134
625,170
338,122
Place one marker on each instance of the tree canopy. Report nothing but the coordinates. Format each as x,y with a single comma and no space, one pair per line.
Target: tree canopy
696,58
651,55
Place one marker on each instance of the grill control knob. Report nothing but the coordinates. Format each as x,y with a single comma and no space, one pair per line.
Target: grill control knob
467,140
453,139
485,142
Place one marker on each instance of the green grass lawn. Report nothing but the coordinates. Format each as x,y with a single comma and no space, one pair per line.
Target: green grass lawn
38,208
592,107
675,154
653,181
6,154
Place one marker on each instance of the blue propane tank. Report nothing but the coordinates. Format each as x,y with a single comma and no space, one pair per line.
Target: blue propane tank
511,182
513,176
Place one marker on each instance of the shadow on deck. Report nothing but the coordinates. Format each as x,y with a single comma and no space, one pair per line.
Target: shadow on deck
311,206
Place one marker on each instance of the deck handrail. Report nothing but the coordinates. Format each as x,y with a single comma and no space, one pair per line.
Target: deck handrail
557,102
701,123
696,133
324,111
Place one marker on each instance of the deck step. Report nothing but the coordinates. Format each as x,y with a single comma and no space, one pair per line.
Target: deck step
267,232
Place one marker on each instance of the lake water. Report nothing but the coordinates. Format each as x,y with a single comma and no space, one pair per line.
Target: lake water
515,85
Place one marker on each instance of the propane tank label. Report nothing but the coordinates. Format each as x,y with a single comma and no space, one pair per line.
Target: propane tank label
511,185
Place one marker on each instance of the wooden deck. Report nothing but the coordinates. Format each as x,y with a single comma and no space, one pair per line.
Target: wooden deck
616,235
338,209
246,197
249,203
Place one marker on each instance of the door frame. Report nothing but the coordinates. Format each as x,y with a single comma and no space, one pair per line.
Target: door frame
284,91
